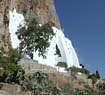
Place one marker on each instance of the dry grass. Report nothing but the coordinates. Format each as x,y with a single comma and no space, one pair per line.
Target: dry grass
64,81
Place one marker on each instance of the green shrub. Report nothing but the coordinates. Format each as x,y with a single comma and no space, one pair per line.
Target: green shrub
38,83
9,68
85,92
75,70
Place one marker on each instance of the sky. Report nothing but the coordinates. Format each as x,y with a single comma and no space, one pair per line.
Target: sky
83,22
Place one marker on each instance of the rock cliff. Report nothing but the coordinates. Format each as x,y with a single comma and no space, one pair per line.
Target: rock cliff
43,10
4,25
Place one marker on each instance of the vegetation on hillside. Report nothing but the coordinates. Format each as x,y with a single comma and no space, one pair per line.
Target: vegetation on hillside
38,83
35,37
9,68
12,73
101,87
74,71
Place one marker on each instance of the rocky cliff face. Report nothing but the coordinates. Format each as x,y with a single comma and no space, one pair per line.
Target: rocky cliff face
4,25
43,10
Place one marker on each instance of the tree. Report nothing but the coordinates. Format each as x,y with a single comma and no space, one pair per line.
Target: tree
97,74
35,37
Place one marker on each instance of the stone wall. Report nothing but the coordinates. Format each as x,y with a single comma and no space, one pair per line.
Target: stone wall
12,89
31,67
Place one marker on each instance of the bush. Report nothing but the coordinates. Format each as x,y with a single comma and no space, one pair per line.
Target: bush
101,87
87,91
75,70
38,83
9,68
